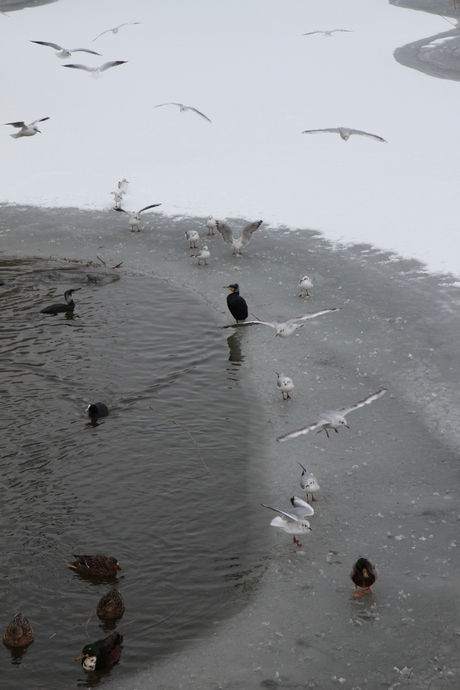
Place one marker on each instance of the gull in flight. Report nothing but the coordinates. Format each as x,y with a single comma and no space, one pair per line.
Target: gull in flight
135,218
345,133
285,329
295,520
284,384
327,33
123,185
183,108
118,199
203,255
305,284
115,29
26,130
237,242
308,482
64,53
96,72
333,419
192,238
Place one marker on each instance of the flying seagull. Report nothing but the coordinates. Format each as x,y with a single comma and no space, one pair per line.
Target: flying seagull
295,520
237,242
135,218
65,52
26,130
333,419
115,29
183,108
345,133
327,33
96,72
123,185
286,328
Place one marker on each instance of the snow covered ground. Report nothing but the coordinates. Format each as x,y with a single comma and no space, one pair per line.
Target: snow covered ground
248,67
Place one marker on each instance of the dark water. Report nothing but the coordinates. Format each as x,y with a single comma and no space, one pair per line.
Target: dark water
135,485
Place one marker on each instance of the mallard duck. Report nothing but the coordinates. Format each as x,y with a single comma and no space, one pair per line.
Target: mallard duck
19,632
102,653
111,605
99,565
363,574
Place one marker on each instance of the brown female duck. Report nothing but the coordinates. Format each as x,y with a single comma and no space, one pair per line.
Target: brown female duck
98,565
111,605
19,632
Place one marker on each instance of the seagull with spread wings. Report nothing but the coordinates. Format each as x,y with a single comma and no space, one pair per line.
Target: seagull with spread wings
345,133
286,328
237,242
183,108
295,520
96,72
328,33
334,419
115,30
135,218
26,130
64,53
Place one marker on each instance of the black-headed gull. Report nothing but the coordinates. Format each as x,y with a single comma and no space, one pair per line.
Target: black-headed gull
64,53
26,130
135,218
286,328
345,133
238,242
285,385
192,237
308,482
115,29
328,33
183,108
211,225
96,72
334,419
295,520
202,255
305,284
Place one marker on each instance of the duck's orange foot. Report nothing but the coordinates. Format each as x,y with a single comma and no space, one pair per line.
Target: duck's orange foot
357,593
368,590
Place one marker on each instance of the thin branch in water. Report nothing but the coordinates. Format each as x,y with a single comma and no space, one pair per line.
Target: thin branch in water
101,260
189,434
87,623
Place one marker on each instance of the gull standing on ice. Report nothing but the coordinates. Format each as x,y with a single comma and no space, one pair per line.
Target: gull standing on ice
305,284
192,238
183,108
284,384
237,242
118,199
286,328
211,224
26,130
135,218
333,419
96,72
115,29
295,520
308,482
203,255
345,133
64,53
328,33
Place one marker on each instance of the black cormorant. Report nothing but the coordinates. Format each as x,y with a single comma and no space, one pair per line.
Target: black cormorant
237,304
97,410
58,308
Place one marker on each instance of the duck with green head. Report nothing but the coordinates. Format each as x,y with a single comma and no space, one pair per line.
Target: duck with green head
102,653
363,575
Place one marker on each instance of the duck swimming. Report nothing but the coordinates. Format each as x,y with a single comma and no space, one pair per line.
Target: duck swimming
98,565
19,632
62,308
100,654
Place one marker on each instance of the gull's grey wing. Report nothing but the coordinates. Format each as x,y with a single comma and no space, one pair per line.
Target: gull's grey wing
304,317
113,63
120,209
16,124
50,45
335,130
290,516
101,34
40,120
146,207
199,113
310,33
84,67
84,50
370,398
299,503
247,231
225,231
251,323
301,432
367,134
161,104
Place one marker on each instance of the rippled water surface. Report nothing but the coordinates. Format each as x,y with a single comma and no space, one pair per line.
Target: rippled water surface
145,484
